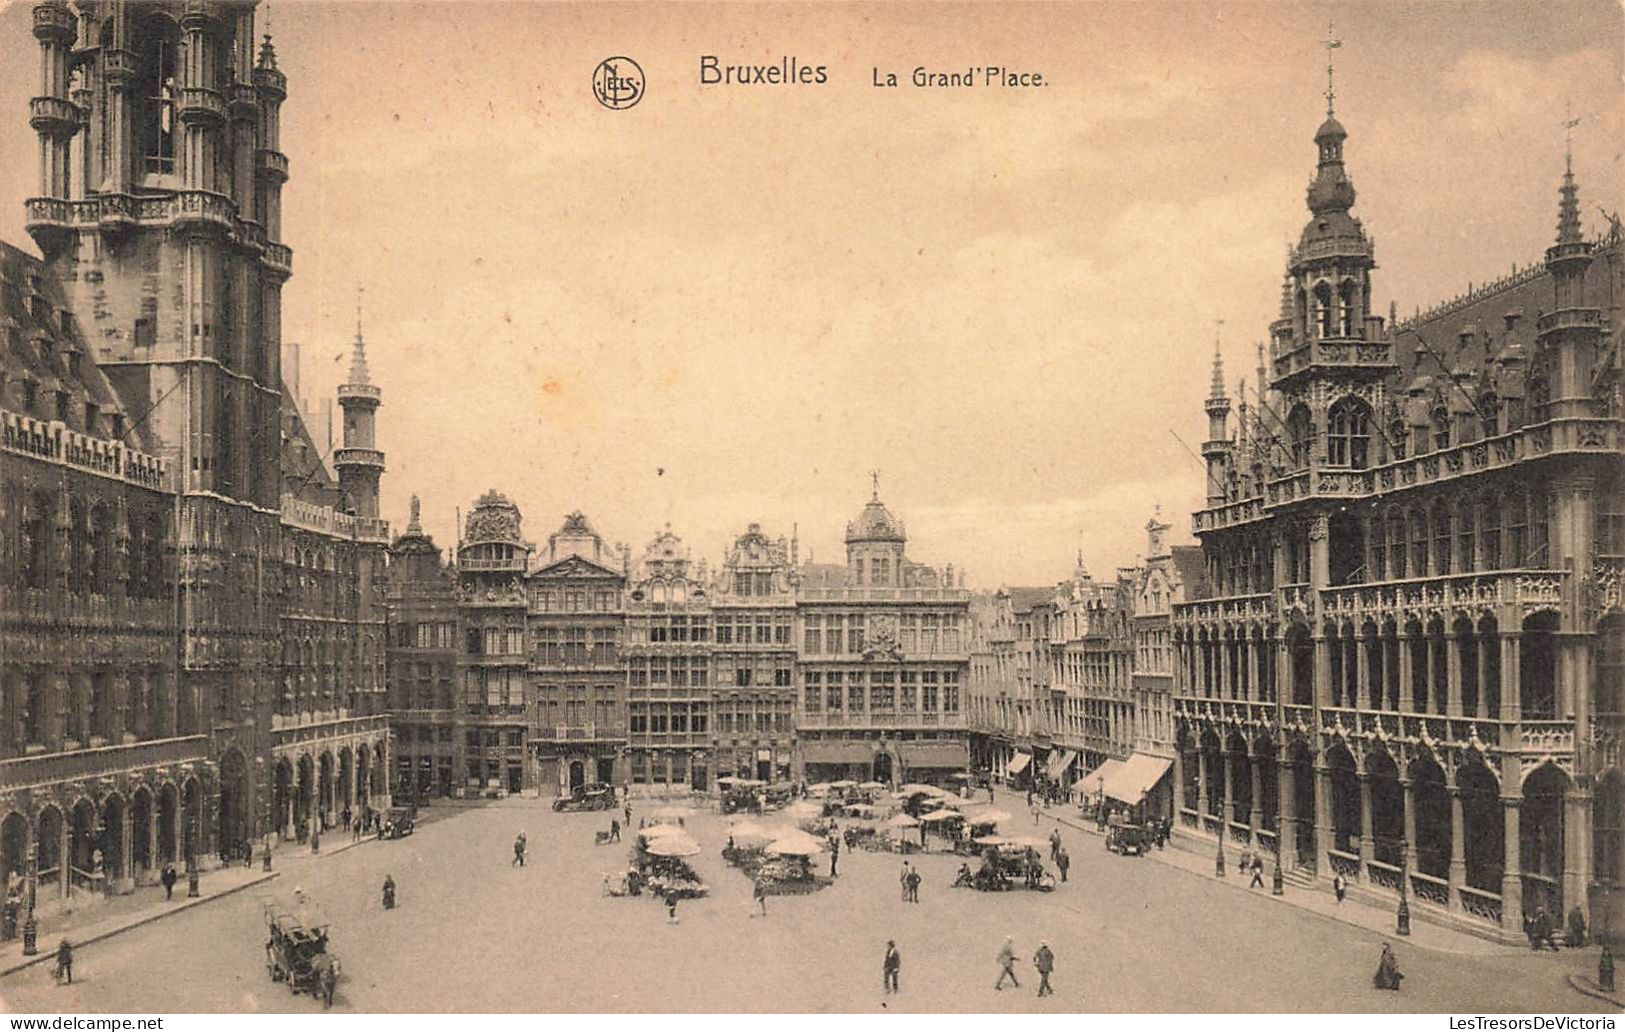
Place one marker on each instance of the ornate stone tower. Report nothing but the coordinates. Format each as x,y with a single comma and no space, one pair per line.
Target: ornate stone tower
1217,449
159,190
1568,337
359,463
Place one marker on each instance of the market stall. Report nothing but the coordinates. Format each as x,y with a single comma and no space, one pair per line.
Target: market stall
787,865
659,864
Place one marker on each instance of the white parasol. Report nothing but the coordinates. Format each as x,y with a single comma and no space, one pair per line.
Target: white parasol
795,843
902,820
938,815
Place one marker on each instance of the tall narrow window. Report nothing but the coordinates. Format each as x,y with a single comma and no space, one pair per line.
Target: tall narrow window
158,96
1348,434
1300,435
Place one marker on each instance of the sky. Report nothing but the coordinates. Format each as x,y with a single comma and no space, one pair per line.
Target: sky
728,304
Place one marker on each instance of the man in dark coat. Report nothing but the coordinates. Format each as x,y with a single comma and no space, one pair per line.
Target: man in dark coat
913,886
1044,961
1055,843
64,963
168,878
1063,860
892,965
1577,928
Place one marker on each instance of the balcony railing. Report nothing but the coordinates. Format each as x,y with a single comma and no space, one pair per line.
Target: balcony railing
878,594
1526,590
85,764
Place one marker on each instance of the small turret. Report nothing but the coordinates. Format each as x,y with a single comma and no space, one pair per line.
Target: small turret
359,463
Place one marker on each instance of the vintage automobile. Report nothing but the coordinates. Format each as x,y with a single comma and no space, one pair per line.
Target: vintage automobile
398,822
296,952
1126,839
595,795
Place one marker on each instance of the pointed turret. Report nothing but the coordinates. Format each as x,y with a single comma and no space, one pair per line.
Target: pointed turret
359,463
1572,331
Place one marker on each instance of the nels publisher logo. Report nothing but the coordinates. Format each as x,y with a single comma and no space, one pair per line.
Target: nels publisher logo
617,82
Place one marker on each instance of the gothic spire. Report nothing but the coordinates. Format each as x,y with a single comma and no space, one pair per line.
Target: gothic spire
358,354
1568,209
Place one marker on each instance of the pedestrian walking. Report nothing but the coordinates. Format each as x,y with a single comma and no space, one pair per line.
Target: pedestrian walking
671,907
891,967
834,855
1258,873
614,830
1577,928
1034,807
518,851
1007,964
64,963
168,878
990,791
902,882
265,858
1054,844
759,892
1063,861
1044,961
913,886
1340,886
1388,974
627,812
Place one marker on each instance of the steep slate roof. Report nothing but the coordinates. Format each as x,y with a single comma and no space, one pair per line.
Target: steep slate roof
36,345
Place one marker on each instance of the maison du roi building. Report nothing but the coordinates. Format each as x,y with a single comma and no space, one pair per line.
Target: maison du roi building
192,610
516,667
1409,664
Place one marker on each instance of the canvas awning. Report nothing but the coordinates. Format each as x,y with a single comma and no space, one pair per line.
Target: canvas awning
1059,761
838,752
1092,782
955,755
1135,777
1018,763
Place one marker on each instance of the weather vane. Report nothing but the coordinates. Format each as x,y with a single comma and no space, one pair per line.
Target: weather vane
1569,123
1331,42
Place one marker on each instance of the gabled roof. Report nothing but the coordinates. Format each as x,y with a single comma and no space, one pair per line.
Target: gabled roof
1023,599
575,566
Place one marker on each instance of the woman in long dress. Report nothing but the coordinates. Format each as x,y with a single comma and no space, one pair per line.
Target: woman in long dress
1387,976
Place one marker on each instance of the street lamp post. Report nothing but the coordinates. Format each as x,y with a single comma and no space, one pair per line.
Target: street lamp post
191,858
1278,878
1402,917
1218,858
31,925
1605,963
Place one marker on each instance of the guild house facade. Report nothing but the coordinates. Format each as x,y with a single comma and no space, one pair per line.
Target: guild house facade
1407,666
191,596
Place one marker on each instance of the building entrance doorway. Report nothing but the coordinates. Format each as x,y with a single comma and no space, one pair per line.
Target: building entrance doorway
578,774
764,770
606,769
882,768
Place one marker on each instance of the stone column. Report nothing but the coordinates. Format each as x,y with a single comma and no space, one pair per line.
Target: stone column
1576,847
1512,872
1226,806
1255,817
121,709
1511,676
1409,795
1202,774
1322,695
1255,688
1407,702
1323,811
1359,696
1458,849
1286,824
65,871
126,838
1481,652
1367,839
1452,654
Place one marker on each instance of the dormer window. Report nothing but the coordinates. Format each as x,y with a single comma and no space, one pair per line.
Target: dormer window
1441,428
117,420
91,413
62,400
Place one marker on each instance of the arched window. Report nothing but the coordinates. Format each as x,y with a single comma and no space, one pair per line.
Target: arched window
1345,308
1419,543
1517,517
1609,686
1301,309
1441,428
1300,429
1323,309
1489,411
1396,544
1465,538
1348,434
81,557
1441,538
1490,506
159,40
1539,396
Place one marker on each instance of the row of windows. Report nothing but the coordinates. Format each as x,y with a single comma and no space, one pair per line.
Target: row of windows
440,634
549,600
760,629
90,562
882,691
658,718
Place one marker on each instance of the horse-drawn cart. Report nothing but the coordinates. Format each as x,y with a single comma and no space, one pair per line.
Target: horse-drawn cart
296,952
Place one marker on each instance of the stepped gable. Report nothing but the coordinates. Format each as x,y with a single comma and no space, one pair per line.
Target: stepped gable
38,346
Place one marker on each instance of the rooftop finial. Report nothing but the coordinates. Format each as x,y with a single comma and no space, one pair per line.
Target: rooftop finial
1331,42
1218,362
1569,124
874,475
358,356
414,525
